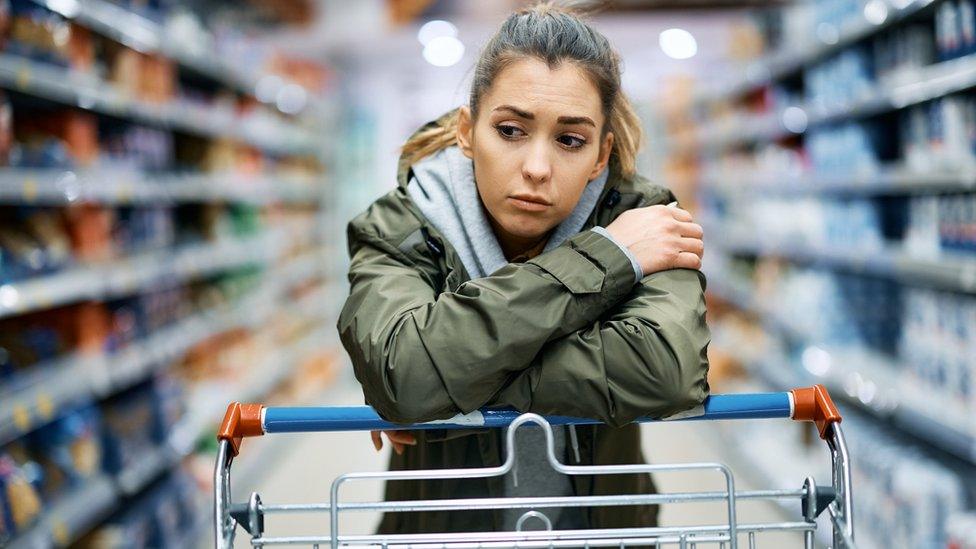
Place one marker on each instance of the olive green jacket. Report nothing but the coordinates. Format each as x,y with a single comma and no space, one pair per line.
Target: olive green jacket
567,332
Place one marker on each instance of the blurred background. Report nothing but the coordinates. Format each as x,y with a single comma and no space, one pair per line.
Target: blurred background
176,179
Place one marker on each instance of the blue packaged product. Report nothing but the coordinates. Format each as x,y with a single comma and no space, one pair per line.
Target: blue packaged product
129,431
68,449
967,27
948,33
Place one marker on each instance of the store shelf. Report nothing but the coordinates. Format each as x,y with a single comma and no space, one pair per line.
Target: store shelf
862,377
147,469
951,272
88,92
210,400
147,36
888,180
780,64
80,378
76,513
62,187
130,274
72,516
910,88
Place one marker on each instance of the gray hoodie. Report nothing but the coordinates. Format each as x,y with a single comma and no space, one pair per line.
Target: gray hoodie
443,188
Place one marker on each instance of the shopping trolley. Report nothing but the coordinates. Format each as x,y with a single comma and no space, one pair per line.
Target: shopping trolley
804,404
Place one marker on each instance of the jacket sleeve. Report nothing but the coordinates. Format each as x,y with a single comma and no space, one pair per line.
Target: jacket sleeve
645,357
422,356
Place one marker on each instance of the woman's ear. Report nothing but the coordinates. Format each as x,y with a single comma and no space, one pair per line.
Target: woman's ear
605,148
465,131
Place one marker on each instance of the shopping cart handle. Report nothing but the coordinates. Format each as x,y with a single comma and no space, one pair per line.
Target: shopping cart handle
245,420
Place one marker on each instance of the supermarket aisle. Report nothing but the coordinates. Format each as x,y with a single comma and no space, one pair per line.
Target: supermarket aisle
306,465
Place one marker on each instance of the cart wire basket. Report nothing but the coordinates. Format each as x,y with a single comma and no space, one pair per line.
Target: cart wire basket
802,404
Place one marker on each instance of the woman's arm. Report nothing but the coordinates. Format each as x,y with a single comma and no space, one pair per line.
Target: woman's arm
646,357
421,356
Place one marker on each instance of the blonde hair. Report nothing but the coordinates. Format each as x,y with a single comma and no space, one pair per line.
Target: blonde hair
552,34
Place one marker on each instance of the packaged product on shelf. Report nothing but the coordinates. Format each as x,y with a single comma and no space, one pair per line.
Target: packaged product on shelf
38,33
163,306
33,242
845,78
955,28
957,223
847,149
31,340
937,346
40,132
124,68
129,433
68,451
143,228
941,224
6,129
940,134
901,51
134,147
20,501
126,324
40,152
90,228
922,235
91,325
904,497
139,316
157,81
4,23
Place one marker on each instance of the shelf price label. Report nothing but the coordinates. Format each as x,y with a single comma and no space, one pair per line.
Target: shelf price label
59,532
29,189
23,77
22,418
45,406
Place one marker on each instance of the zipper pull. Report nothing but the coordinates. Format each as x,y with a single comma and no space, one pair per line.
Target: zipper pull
431,242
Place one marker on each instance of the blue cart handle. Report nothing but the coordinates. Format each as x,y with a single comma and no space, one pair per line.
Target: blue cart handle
245,420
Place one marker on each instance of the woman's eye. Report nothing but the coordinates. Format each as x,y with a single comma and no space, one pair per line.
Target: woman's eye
571,141
509,132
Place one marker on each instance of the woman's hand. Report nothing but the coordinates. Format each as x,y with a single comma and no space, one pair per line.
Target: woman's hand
660,237
399,440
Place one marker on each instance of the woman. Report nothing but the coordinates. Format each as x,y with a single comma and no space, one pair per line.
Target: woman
522,262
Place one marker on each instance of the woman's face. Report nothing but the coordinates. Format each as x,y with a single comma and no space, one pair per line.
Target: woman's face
535,145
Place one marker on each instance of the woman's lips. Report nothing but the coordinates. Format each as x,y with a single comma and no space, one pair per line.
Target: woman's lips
528,205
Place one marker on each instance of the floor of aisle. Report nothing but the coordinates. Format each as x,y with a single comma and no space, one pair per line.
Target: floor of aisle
299,469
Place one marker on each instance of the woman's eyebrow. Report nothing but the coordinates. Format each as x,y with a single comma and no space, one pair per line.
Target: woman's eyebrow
562,119
576,120
516,111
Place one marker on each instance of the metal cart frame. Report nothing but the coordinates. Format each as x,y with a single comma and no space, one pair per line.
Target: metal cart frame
804,404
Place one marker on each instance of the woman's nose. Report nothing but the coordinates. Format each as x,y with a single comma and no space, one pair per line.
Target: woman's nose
537,166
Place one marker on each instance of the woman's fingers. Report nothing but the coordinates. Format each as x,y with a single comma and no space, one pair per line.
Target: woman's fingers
691,230
681,215
687,260
402,437
692,245
399,439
